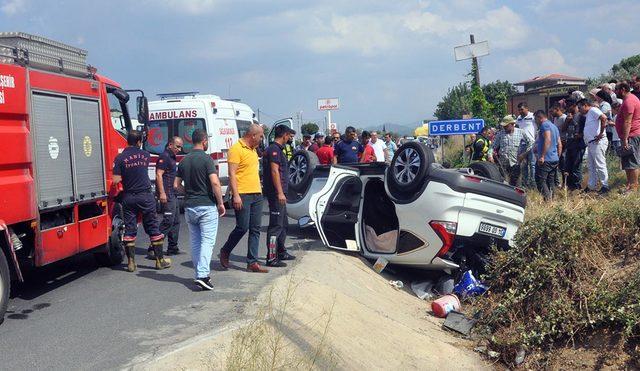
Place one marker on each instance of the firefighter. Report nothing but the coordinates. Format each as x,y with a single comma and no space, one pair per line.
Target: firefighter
481,145
131,169
165,174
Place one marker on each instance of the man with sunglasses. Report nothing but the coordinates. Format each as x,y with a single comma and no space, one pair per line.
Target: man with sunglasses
169,205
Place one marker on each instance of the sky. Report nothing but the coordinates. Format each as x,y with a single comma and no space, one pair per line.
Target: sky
387,61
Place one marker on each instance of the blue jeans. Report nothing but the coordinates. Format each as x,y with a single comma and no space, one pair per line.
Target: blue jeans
529,171
249,218
203,228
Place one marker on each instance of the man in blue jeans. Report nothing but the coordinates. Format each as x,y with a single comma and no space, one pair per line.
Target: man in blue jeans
548,150
203,204
246,190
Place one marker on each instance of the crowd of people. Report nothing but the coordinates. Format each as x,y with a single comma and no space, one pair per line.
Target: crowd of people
347,149
546,149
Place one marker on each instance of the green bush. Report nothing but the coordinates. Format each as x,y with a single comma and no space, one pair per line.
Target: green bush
575,268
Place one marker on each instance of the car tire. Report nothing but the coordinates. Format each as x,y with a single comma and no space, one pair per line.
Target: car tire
113,252
301,168
5,285
487,170
409,168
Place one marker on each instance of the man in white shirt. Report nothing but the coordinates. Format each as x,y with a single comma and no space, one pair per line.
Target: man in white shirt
596,140
528,125
379,148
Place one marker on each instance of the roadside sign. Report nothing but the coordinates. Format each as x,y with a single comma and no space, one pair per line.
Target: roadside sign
455,127
469,51
333,127
328,104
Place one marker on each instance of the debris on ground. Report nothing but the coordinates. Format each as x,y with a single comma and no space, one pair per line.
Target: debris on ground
380,264
396,284
424,289
469,285
458,322
442,306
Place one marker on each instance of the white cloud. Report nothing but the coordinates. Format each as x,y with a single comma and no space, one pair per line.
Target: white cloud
11,7
367,34
538,62
504,28
191,7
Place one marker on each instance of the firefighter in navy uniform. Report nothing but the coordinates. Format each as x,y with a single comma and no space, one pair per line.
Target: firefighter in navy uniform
166,169
131,168
275,174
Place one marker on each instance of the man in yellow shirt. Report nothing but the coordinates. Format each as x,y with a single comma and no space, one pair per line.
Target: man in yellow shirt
246,190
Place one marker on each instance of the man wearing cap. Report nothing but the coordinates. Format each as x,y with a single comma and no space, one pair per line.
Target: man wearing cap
275,168
508,145
318,141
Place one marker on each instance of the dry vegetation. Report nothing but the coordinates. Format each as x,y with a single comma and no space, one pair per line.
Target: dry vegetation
575,272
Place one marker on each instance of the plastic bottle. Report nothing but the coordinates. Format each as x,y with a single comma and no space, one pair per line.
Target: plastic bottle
442,306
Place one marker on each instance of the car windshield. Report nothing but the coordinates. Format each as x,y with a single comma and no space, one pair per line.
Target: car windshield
160,131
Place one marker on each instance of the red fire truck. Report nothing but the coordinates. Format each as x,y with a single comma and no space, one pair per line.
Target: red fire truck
57,129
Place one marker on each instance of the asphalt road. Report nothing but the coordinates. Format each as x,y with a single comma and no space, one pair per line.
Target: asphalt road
76,315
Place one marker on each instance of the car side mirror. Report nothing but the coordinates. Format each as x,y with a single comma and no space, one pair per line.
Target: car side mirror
142,105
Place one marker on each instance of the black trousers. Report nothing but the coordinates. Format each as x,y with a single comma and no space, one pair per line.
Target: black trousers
546,178
573,166
278,224
140,203
170,225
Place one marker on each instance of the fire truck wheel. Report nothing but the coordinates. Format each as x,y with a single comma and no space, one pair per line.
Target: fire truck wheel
5,285
112,254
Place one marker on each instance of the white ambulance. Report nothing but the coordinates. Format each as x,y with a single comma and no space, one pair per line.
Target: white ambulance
179,114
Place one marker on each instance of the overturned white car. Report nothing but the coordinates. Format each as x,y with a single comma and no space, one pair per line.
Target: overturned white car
412,212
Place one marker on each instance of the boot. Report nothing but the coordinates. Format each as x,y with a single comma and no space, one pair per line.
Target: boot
161,261
151,254
130,249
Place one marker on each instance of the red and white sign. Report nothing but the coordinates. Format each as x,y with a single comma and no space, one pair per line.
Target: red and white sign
333,127
329,104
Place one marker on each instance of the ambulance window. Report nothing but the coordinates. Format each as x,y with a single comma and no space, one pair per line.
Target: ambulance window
243,127
185,129
157,137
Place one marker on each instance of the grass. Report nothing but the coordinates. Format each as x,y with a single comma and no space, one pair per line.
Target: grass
574,271
270,341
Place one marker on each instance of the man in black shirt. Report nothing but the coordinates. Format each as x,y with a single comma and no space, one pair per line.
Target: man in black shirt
276,177
203,204
165,175
131,168
575,146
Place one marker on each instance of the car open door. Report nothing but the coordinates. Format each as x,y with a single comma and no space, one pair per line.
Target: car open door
335,210
272,133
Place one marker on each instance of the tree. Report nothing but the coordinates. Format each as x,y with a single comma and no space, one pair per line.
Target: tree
455,104
626,69
309,128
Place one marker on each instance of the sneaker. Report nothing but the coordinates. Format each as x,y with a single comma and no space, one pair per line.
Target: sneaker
224,259
276,264
286,256
604,190
204,283
256,268
163,263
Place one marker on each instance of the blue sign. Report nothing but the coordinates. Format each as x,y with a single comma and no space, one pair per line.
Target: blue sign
456,127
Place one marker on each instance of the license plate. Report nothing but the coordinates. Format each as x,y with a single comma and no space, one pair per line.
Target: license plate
493,230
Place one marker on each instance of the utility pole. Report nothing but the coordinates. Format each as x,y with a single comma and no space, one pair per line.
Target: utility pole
259,116
474,63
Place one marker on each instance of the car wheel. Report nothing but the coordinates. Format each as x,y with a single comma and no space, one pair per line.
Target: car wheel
113,252
301,168
487,170
409,168
5,285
